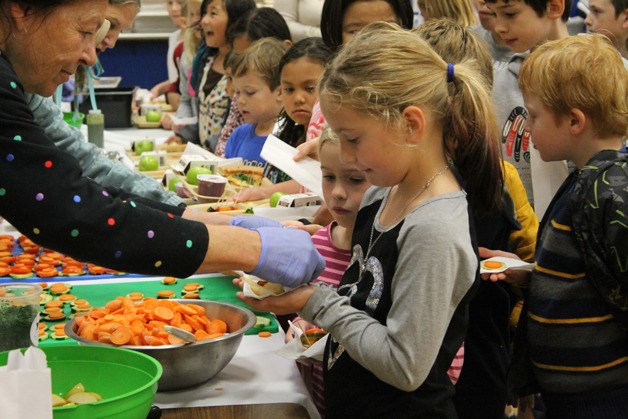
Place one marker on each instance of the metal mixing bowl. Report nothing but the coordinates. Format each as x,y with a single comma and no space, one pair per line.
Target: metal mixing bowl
192,364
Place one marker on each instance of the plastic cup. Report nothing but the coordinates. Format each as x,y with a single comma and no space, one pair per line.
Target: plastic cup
19,315
211,185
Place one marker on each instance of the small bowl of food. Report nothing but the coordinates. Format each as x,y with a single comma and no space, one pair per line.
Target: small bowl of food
218,327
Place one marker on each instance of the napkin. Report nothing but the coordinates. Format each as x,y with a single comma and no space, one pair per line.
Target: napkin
295,350
25,385
307,171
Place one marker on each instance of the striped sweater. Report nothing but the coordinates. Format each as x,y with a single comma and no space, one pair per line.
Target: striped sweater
575,343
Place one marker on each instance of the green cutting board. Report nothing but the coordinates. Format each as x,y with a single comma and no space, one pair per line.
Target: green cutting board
216,288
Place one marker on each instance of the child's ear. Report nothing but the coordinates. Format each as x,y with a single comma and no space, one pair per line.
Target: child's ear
555,9
624,22
577,121
414,119
277,94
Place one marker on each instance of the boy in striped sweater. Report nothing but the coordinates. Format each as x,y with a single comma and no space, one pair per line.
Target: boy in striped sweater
574,336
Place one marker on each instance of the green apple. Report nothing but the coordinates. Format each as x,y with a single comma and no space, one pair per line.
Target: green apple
153,116
191,174
274,199
142,146
172,185
149,163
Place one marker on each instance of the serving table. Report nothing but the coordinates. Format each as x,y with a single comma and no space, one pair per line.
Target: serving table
257,383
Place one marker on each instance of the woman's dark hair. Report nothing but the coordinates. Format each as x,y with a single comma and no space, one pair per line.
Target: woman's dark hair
234,9
264,22
334,12
313,49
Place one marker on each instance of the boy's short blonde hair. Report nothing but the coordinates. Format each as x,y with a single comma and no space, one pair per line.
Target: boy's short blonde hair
327,137
262,58
582,72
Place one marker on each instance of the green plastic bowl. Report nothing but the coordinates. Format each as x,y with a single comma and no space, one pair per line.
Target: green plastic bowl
72,120
127,380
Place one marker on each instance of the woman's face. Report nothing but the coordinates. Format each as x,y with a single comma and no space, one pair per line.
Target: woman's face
46,50
121,19
362,12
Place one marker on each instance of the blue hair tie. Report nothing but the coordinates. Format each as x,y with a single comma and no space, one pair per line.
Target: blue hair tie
450,73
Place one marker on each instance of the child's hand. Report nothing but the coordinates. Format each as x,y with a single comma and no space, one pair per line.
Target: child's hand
512,276
290,302
166,122
310,228
301,324
174,139
307,149
251,194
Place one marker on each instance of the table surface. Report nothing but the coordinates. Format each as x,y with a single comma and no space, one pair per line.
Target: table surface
256,383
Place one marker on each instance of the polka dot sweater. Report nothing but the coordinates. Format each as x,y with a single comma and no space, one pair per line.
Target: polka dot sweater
44,195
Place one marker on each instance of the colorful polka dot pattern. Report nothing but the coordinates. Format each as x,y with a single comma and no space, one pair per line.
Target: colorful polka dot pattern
44,193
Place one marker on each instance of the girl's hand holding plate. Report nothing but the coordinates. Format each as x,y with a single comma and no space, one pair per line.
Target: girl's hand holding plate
290,302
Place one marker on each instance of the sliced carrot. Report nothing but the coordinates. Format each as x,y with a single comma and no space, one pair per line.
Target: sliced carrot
264,334
177,319
113,305
200,310
192,322
163,313
51,310
175,340
135,296
121,336
53,303
191,296
217,326
165,294
58,288
201,335
47,273
493,264
67,297
186,309
186,326
169,280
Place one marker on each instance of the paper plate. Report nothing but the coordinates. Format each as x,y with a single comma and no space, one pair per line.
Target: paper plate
504,264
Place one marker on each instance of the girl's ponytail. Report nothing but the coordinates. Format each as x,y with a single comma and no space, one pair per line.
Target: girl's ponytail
471,135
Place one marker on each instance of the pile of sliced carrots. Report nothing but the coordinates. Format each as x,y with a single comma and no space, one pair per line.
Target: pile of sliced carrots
123,322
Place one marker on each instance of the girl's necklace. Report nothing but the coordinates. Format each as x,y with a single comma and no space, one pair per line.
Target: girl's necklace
414,198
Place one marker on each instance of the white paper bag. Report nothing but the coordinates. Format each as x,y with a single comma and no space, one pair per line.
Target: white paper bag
25,386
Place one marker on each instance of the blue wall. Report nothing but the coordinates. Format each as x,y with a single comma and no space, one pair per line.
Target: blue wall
140,63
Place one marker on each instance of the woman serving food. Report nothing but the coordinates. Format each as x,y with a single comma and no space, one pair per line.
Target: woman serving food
44,195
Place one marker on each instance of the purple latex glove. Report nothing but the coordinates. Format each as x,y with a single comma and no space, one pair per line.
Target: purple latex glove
288,257
253,222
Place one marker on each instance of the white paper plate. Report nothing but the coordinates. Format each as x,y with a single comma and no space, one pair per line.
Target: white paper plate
506,263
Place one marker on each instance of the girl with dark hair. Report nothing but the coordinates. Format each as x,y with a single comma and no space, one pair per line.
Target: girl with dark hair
208,80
